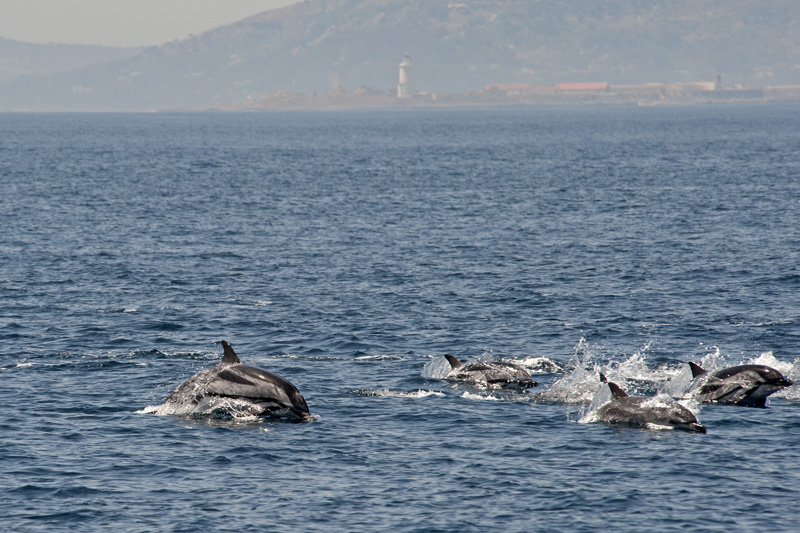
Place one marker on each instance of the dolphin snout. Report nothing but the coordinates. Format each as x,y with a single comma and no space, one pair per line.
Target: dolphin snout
697,428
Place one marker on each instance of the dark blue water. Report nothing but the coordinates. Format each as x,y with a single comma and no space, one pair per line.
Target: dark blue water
347,252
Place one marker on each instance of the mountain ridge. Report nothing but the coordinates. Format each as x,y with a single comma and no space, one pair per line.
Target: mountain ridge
18,58
322,46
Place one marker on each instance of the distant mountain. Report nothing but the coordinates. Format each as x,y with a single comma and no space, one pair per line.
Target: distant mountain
322,45
18,59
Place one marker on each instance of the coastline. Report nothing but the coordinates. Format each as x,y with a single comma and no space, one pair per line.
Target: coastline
644,96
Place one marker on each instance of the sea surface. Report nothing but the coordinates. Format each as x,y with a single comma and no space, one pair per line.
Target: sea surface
347,252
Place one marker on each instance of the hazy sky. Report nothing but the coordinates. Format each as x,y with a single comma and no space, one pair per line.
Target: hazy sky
121,22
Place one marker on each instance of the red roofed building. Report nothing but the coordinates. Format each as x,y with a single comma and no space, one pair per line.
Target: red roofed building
589,86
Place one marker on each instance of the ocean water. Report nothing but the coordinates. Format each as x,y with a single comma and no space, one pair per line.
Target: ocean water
347,252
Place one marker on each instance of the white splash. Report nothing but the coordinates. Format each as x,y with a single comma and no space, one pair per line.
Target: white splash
768,359
397,394
152,410
436,368
539,365
581,385
378,357
658,427
601,397
234,409
680,384
488,398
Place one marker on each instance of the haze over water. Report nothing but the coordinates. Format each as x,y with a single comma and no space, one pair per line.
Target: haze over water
347,252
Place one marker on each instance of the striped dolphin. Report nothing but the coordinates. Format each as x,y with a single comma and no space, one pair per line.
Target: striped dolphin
493,373
651,413
261,392
748,385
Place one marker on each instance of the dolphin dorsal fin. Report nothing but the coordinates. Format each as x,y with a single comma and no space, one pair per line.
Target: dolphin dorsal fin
603,378
230,357
616,392
453,360
697,370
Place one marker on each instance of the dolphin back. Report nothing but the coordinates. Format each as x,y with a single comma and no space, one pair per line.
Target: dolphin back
764,373
242,381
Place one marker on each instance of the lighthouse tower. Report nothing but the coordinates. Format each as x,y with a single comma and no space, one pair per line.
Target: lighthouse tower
405,87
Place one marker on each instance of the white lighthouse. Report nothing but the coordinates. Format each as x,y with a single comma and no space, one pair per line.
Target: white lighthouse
405,87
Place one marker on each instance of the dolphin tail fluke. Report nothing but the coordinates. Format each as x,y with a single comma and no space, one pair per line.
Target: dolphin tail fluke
616,391
230,357
697,370
453,360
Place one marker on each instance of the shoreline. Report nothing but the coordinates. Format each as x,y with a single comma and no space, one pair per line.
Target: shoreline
658,96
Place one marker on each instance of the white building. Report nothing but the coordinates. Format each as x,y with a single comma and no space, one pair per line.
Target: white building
405,87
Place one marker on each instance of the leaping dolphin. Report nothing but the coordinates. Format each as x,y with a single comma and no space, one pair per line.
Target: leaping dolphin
747,385
495,374
638,411
264,392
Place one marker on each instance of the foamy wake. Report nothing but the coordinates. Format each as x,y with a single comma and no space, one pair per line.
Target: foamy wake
397,394
224,408
658,427
222,411
481,397
380,357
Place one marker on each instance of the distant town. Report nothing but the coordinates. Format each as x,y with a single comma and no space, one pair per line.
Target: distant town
590,93
513,94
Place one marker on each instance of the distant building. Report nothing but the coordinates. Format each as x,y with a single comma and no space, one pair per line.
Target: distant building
691,87
584,86
513,89
405,87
